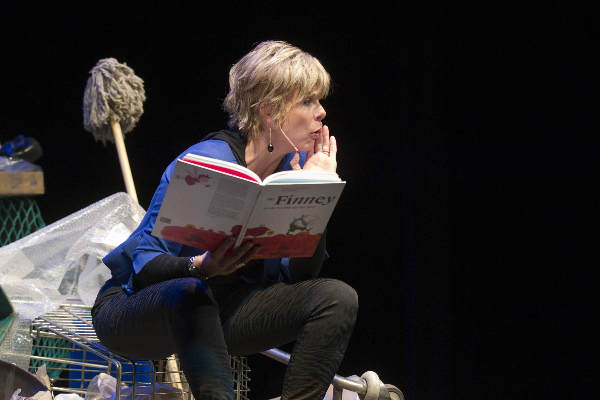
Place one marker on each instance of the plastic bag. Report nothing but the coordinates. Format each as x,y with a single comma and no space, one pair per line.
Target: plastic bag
63,260
68,396
101,387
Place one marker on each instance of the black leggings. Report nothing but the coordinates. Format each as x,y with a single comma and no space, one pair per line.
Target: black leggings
181,316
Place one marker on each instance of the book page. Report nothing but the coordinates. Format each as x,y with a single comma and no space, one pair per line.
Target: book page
202,207
289,219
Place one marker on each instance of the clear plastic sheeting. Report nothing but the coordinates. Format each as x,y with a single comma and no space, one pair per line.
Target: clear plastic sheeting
64,260
17,344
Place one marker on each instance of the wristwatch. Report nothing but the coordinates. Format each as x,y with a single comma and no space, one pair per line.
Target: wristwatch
195,271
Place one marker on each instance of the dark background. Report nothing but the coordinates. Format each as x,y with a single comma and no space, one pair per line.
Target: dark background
462,135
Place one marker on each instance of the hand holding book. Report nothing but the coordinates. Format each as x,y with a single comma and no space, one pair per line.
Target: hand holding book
224,262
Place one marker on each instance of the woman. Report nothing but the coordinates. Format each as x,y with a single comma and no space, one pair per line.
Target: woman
167,298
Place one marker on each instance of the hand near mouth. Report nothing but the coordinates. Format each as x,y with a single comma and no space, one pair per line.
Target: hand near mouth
323,155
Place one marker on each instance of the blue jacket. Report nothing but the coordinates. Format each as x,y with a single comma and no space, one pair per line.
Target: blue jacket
131,255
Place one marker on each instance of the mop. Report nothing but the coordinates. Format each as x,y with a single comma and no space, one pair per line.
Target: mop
112,106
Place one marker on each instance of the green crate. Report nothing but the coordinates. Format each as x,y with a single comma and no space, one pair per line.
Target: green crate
52,348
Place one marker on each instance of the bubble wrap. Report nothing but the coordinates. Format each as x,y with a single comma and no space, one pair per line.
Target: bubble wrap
63,260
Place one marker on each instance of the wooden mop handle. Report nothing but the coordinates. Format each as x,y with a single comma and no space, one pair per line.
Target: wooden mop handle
120,143
174,374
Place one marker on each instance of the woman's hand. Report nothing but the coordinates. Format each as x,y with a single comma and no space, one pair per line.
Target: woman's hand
219,263
322,157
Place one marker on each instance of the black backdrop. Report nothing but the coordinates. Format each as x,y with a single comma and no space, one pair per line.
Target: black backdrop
450,124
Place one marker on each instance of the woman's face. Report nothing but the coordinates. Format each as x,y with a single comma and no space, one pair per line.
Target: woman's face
303,122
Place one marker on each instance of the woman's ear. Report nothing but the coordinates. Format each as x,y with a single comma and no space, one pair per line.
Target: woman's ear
265,112
263,109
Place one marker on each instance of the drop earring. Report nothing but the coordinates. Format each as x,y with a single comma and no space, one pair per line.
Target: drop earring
270,146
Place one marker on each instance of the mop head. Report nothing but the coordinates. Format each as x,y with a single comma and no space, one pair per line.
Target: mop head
113,93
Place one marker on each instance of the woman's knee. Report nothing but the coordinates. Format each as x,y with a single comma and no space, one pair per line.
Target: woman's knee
338,295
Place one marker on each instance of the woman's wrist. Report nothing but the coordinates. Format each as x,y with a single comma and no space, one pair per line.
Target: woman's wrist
196,271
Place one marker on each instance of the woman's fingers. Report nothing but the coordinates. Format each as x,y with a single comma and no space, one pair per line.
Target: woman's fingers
247,257
332,147
239,257
223,247
319,143
325,141
238,252
295,161
220,264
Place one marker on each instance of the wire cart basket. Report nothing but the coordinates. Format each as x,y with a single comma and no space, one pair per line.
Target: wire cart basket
66,342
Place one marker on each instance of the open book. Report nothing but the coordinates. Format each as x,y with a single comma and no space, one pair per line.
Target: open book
208,200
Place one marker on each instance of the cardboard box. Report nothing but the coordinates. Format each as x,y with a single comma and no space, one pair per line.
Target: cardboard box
20,178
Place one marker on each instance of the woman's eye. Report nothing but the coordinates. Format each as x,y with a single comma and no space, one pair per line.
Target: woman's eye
306,102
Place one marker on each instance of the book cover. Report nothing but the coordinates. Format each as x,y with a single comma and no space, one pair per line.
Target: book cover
208,200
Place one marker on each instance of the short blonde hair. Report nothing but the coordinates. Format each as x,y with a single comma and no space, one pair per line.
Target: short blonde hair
274,74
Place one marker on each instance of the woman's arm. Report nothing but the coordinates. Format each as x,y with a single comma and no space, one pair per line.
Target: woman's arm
166,266
161,268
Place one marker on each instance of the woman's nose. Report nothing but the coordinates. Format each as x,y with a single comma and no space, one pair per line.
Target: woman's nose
321,113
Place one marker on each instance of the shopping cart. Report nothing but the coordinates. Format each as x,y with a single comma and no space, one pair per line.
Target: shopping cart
79,357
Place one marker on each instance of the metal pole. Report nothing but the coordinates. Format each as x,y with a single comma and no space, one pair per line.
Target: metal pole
338,381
